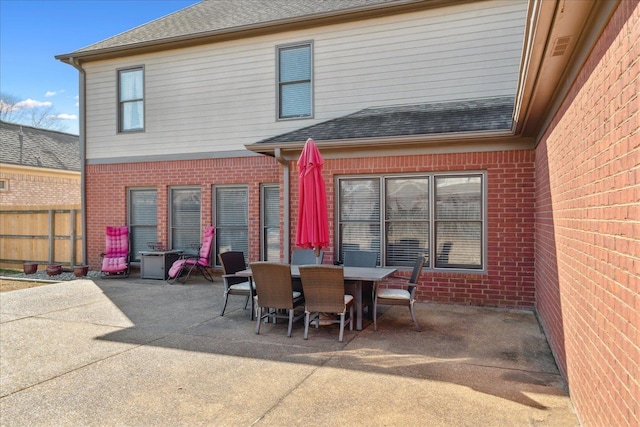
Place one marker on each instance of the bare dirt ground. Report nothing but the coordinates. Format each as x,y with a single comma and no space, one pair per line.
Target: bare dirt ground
14,285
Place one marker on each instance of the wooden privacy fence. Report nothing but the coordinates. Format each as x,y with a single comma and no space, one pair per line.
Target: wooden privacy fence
43,235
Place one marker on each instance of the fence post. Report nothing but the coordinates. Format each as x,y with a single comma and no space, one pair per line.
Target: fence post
52,242
72,237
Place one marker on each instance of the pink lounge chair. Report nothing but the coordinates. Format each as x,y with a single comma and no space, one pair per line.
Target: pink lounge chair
182,268
115,259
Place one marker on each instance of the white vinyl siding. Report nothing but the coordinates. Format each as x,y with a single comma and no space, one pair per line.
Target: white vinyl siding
221,96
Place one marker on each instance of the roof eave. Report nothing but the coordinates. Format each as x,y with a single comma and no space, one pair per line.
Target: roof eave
548,73
365,12
402,143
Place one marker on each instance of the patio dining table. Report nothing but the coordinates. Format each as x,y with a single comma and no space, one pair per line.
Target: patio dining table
357,275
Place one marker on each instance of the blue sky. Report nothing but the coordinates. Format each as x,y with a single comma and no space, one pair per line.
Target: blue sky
32,32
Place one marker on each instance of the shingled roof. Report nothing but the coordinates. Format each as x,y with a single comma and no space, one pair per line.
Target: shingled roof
489,114
38,147
211,17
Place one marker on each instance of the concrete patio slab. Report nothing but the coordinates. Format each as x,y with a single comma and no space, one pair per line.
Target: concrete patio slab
141,353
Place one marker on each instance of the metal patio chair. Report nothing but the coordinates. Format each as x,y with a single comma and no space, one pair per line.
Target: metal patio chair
232,262
403,294
182,268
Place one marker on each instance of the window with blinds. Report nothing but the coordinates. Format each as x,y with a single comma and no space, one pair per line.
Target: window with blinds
440,217
458,221
406,220
185,203
131,100
295,81
143,219
231,213
270,209
359,215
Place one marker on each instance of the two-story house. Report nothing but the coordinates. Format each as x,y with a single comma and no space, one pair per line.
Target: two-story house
470,132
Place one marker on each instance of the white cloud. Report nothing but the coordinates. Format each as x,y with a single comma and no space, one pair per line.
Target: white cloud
64,117
31,103
51,93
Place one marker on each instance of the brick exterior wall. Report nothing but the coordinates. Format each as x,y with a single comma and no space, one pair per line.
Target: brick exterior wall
509,281
588,230
106,192
35,189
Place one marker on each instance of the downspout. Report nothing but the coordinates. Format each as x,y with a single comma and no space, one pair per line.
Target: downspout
286,211
83,153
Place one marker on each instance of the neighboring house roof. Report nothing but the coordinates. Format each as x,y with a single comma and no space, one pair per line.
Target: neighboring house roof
491,114
216,17
28,146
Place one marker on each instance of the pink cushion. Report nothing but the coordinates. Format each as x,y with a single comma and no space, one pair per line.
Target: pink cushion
116,242
205,252
114,265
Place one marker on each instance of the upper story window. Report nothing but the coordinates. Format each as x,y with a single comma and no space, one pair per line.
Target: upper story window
131,100
295,97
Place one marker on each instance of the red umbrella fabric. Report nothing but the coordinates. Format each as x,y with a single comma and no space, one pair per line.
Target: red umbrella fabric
313,222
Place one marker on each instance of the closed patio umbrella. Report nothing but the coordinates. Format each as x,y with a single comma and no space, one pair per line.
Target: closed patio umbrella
313,222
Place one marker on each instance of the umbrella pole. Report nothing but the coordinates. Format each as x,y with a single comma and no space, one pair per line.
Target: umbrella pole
317,252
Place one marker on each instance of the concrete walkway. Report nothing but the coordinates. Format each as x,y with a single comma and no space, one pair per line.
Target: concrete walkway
143,353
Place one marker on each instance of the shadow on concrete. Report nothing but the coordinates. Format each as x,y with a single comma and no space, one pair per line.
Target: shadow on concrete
502,353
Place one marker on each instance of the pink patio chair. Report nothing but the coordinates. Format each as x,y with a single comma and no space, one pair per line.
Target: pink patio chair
116,259
183,267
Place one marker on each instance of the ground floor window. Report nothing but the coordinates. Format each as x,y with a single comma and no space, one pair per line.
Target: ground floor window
184,218
143,219
439,216
231,216
270,222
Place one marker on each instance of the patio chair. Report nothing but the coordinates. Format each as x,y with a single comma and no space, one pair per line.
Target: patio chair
232,262
115,260
403,295
182,268
274,292
306,257
324,293
360,259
